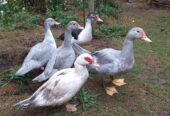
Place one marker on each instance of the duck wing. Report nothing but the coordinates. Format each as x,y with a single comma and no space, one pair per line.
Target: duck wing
106,55
60,59
79,50
48,69
37,57
44,95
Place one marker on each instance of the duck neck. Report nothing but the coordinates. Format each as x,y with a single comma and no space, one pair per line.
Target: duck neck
127,49
67,38
88,25
49,36
88,21
80,69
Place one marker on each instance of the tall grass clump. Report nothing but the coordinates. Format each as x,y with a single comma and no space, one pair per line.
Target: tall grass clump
87,100
8,76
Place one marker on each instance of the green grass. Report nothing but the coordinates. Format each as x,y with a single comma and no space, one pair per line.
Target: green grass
8,76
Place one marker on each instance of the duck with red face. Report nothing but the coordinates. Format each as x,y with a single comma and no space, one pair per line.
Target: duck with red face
61,86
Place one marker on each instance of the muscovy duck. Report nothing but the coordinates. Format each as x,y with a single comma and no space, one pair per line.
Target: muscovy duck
62,86
39,54
113,61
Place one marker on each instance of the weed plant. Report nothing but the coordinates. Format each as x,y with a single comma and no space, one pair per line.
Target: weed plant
8,76
87,100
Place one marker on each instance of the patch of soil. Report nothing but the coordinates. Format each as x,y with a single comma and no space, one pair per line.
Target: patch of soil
16,44
152,63
12,56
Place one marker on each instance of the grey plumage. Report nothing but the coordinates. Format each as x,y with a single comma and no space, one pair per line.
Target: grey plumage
113,61
63,57
39,54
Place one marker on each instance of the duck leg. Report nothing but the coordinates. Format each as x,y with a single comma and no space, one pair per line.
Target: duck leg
110,90
71,106
118,82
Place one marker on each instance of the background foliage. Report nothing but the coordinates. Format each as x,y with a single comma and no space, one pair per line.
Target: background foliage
26,14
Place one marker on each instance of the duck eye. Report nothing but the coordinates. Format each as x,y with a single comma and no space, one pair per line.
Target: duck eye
74,24
138,31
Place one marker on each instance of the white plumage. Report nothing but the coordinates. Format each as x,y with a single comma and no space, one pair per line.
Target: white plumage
62,86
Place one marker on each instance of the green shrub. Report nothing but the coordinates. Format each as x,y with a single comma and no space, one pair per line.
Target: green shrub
15,16
116,31
59,15
108,8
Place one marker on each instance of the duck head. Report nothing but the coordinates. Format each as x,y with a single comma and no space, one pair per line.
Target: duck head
73,25
93,16
137,33
49,22
86,59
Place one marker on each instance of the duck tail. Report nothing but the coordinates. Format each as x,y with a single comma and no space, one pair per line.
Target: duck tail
27,67
23,104
79,50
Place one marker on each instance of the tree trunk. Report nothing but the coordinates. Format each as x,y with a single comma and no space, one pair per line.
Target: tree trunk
91,5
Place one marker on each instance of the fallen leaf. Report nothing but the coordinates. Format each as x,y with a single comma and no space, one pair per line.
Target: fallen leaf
118,82
111,90
71,107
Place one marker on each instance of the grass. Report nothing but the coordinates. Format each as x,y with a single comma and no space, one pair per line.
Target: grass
87,100
8,76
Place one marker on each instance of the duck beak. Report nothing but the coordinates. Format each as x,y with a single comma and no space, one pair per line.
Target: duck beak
145,38
96,65
99,19
79,26
57,23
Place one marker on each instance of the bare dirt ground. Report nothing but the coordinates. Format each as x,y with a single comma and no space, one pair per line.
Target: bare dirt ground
147,92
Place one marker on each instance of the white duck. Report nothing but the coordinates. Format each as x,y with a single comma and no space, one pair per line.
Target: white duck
62,86
83,36
63,57
39,54
113,61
